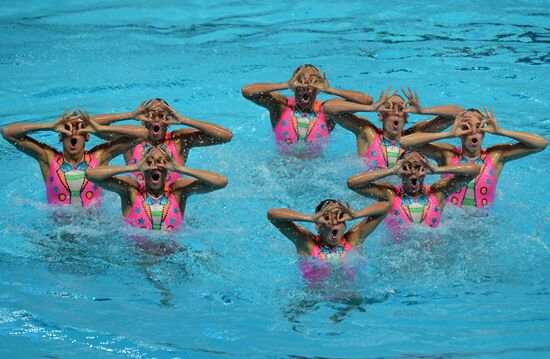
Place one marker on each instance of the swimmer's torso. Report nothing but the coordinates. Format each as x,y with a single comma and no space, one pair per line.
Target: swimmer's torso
382,153
295,125
480,191
67,184
406,210
155,213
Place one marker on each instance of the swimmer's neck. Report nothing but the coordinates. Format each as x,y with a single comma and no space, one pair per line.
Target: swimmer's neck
471,154
414,194
73,158
325,243
155,143
155,193
390,136
305,109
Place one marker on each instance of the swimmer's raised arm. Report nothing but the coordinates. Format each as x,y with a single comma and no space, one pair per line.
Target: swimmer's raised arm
207,134
106,151
348,120
446,114
203,181
340,107
528,143
107,119
374,214
284,219
108,178
17,134
463,173
418,139
90,125
354,96
363,183
266,95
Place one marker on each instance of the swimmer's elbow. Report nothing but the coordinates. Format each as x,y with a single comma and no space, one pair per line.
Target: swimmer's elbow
246,92
227,136
543,144
274,215
352,183
6,134
220,182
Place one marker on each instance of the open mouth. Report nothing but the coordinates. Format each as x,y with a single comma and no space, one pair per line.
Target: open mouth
395,125
155,177
305,97
73,141
156,129
474,141
334,233
414,182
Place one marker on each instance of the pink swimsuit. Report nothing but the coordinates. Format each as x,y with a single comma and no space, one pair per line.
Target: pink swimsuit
485,184
315,268
376,156
400,213
155,213
139,152
58,184
286,130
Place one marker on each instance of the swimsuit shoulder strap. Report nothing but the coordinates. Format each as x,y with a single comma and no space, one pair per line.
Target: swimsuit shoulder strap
317,106
58,158
290,102
316,251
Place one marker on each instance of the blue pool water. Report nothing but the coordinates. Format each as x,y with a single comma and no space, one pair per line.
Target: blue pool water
476,287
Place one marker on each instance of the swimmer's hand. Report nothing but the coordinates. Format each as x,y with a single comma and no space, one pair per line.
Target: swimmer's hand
172,117
323,216
293,82
150,108
140,111
400,168
146,163
88,125
382,103
460,127
428,168
169,163
490,123
413,103
321,83
346,212
62,124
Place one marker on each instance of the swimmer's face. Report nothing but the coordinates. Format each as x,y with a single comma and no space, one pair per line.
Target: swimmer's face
331,233
156,178
304,93
413,173
472,121
157,127
75,143
392,116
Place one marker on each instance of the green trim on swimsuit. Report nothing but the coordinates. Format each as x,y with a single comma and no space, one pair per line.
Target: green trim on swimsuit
73,177
157,226
156,213
416,209
75,193
469,201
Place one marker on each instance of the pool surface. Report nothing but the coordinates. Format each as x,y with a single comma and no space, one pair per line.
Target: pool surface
475,287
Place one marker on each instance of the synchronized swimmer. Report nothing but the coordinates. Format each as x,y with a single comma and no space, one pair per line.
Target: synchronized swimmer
157,185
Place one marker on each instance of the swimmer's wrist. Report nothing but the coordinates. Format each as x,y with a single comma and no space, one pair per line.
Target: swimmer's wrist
133,168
